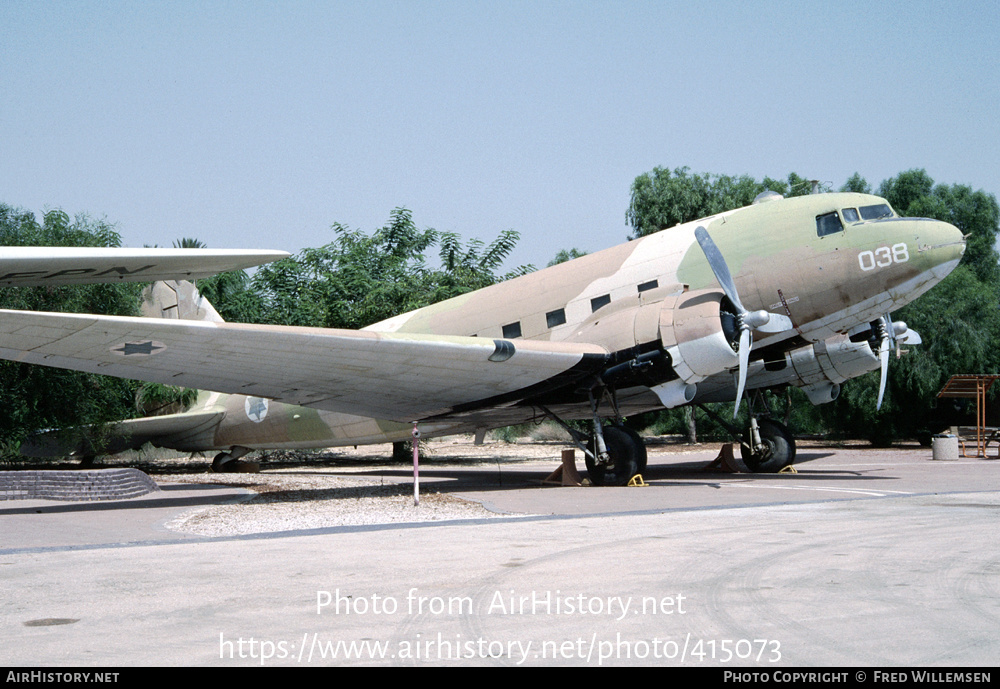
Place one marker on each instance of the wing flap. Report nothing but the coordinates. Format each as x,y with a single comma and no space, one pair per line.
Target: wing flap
396,376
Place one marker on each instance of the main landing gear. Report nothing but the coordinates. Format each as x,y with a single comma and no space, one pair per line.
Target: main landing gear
766,446
626,457
614,453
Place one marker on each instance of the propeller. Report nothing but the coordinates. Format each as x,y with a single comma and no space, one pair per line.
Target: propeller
746,320
883,333
889,333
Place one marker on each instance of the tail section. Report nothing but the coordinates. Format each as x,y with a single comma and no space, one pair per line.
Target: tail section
179,300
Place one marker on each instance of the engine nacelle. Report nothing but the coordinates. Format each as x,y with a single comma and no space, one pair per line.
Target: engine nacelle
820,368
692,333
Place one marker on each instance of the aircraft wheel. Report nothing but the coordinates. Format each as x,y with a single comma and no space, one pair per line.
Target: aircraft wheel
220,465
777,453
625,453
640,447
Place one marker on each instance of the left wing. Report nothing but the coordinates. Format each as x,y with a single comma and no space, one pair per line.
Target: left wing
31,266
396,376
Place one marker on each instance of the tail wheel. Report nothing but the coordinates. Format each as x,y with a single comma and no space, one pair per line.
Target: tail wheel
777,448
626,451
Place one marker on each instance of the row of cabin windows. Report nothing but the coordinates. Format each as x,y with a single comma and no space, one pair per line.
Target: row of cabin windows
829,223
558,317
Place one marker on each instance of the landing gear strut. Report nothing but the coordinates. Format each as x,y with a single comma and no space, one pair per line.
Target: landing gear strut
626,457
614,454
767,447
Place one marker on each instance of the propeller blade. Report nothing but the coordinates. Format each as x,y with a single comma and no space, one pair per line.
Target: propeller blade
763,321
883,358
745,343
718,265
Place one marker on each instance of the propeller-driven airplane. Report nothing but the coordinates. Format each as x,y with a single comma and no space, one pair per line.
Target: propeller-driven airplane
783,292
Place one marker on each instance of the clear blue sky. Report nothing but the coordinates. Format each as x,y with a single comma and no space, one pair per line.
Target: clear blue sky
259,124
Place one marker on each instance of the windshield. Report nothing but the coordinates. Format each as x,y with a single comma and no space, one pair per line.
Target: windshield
879,210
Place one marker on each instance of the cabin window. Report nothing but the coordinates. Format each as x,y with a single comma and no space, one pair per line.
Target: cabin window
879,210
512,330
828,224
646,286
554,318
599,302
851,215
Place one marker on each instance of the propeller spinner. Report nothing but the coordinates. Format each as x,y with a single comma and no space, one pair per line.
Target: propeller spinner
888,334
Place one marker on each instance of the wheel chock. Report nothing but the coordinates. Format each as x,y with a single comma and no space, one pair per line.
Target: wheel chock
726,462
790,469
566,474
637,482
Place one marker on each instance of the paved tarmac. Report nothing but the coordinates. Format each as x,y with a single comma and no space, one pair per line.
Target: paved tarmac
871,558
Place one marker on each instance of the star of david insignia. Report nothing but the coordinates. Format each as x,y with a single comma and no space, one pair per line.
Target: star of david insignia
256,408
144,348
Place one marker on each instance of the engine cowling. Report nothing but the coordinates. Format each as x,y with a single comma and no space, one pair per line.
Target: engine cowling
820,368
693,333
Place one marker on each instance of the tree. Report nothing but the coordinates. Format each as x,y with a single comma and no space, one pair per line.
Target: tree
662,199
566,255
359,278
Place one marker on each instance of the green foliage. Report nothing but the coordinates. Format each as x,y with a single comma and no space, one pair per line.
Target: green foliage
566,255
189,243
359,279
36,397
857,184
154,399
662,199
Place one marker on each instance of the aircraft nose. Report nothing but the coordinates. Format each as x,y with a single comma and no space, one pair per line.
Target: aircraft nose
942,243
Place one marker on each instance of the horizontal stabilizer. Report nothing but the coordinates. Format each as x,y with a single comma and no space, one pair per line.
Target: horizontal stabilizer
130,434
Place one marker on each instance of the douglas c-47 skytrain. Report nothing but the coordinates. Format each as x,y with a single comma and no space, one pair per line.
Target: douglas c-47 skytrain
783,292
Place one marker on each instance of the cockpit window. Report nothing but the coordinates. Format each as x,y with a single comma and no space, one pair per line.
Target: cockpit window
879,210
828,224
850,214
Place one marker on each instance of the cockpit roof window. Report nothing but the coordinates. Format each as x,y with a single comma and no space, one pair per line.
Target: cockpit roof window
879,210
828,223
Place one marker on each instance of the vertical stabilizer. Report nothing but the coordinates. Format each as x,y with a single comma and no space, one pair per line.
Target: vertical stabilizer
179,300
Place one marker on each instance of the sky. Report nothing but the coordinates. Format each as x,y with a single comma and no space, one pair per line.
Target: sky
261,124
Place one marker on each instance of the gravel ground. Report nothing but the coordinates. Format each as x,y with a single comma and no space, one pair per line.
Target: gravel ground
295,490
288,503
317,489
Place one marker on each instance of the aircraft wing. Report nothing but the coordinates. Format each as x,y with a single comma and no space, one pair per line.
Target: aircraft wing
31,266
398,376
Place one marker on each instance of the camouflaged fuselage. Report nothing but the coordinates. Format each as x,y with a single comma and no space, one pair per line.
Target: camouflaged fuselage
814,259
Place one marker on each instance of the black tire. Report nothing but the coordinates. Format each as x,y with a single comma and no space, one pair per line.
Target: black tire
640,447
779,444
625,456
222,463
